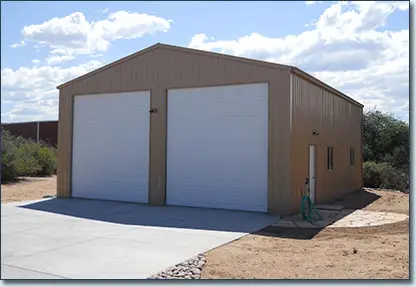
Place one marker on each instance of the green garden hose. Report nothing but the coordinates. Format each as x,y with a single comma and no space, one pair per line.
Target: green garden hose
309,212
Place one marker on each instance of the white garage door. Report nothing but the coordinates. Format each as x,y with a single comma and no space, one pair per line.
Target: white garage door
111,146
217,147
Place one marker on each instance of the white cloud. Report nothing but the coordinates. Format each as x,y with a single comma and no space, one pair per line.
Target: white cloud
32,91
344,48
33,111
96,55
74,34
39,77
17,45
58,59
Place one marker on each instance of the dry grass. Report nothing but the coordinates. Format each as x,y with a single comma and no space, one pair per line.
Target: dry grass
28,188
378,252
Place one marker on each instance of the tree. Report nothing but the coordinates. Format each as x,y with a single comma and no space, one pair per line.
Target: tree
386,139
386,151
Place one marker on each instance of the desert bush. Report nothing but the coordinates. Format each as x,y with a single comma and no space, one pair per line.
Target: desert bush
27,162
24,157
384,175
46,157
386,151
386,139
8,158
372,174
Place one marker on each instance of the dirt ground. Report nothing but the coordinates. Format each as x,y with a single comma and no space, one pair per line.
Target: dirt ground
28,188
377,200
379,252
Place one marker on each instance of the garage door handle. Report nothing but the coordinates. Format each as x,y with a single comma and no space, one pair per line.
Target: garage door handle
153,111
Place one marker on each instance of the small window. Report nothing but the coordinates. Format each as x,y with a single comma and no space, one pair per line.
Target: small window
352,156
330,158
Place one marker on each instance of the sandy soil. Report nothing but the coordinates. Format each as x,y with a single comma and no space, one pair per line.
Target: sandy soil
333,253
28,188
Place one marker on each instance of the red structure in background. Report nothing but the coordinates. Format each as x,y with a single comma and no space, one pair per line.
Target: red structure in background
46,131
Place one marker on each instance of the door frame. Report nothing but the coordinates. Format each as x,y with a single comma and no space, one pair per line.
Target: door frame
312,187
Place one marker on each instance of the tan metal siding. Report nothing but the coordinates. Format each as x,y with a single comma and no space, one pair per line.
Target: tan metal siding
158,138
162,69
338,122
64,145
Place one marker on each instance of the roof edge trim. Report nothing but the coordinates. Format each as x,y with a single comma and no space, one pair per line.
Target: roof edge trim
112,64
291,69
321,84
181,49
227,56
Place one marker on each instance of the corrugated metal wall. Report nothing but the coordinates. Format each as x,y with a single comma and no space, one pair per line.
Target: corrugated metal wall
338,122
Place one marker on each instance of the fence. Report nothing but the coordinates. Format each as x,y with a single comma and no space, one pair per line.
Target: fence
46,131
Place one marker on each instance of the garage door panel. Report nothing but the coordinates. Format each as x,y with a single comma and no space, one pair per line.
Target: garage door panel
111,146
217,147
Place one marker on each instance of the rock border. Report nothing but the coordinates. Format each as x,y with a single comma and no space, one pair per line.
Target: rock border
189,269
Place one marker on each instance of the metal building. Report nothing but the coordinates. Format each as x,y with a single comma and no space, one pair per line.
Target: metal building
178,126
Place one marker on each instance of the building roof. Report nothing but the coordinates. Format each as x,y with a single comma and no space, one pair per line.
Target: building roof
288,68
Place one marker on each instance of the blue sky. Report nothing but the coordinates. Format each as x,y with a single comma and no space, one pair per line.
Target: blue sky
360,48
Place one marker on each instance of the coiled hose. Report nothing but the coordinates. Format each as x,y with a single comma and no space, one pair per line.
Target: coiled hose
309,212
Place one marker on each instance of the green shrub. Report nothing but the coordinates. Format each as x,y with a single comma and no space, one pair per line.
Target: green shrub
27,162
384,175
46,158
372,175
24,157
8,167
8,158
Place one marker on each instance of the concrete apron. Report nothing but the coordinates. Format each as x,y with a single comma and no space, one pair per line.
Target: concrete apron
92,239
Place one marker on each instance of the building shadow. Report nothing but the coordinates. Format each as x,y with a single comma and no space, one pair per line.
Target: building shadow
135,214
199,218
289,232
357,200
306,231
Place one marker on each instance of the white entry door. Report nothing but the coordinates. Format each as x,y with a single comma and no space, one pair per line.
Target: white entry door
312,172
110,157
217,147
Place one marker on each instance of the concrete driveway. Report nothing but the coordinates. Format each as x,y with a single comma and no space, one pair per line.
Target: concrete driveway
76,238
